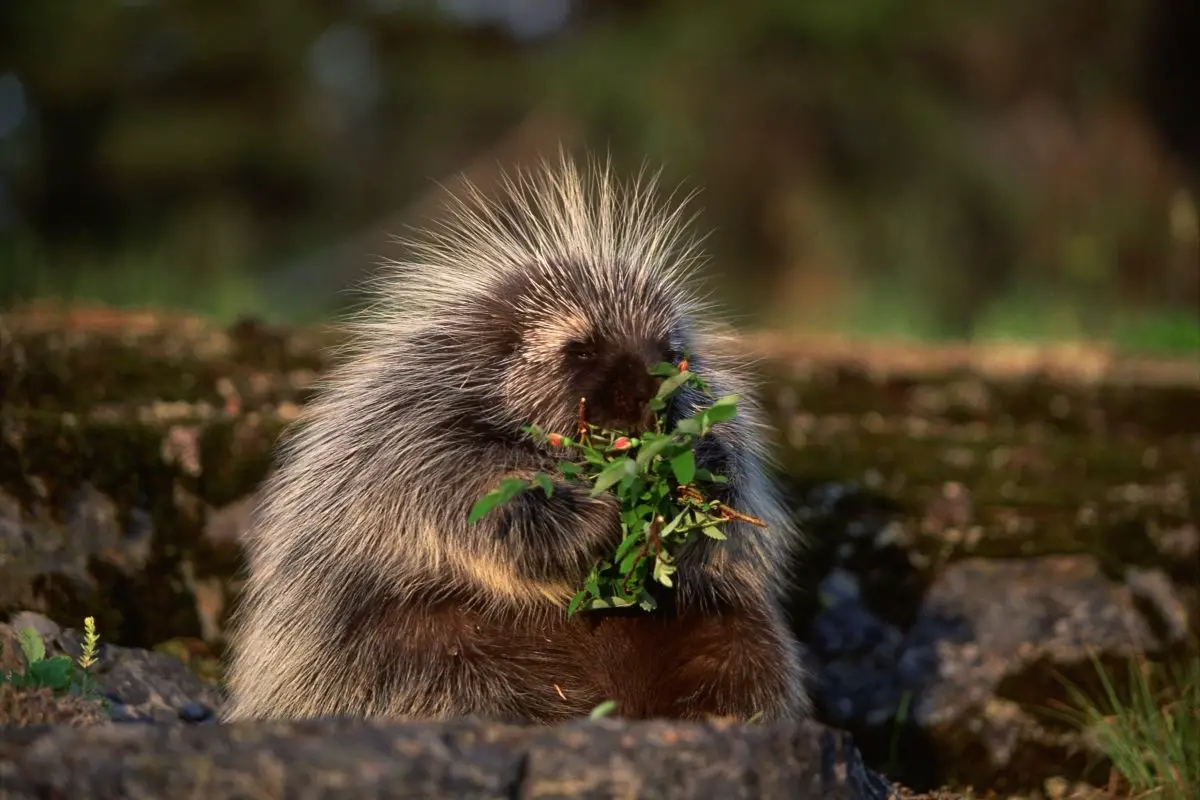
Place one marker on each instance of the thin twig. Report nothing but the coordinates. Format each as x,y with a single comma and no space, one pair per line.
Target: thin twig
583,426
690,493
652,540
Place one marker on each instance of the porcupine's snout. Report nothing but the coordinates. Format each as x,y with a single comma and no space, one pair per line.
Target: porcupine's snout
621,399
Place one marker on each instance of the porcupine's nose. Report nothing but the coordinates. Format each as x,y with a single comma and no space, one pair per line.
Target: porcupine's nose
626,391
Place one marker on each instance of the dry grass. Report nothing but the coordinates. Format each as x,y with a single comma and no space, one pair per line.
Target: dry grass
23,706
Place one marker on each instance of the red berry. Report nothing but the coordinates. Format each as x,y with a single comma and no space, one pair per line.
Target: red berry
622,443
555,439
683,365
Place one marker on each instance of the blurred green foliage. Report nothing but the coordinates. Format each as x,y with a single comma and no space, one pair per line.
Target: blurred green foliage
924,167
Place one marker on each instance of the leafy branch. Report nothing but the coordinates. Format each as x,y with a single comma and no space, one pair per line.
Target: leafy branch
656,479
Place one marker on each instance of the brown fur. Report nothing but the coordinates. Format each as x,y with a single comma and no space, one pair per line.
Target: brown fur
678,663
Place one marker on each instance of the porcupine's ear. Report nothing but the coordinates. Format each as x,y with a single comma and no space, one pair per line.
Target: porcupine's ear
498,326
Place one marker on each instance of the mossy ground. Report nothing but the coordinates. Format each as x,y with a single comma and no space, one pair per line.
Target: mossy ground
177,416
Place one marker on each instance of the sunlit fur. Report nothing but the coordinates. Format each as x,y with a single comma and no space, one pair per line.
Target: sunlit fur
363,528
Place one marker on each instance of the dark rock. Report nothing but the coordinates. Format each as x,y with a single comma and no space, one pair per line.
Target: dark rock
61,538
461,759
79,538
195,712
108,514
971,679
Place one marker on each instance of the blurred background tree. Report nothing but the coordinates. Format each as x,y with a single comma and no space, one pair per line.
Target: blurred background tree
920,167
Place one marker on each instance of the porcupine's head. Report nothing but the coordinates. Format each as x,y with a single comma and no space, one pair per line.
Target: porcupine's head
567,286
573,331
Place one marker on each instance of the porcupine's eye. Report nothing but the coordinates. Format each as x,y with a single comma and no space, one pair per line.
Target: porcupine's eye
579,352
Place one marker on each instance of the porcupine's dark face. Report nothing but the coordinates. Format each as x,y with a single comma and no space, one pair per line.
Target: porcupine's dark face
584,338
612,371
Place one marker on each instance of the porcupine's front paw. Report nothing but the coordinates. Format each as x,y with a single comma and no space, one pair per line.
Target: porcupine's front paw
561,533
715,456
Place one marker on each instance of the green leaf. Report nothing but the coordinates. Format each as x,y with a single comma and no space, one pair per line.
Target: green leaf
573,606
613,473
603,710
569,468
670,385
684,466
652,448
508,489
689,425
662,572
722,410
593,456
483,505
712,532
630,519
670,527
543,480
54,673
664,369
511,487
626,545
647,602
32,645
615,601
632,487
712,477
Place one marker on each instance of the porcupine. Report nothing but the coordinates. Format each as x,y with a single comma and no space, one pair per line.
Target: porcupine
367,592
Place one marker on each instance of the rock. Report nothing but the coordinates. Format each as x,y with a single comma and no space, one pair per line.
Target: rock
464,758
996,637
139,685
972,679
1169,610
950,510
104,517
45,627
61,538
119,433
70,549
79,358
228,525
461,759
196,712
1181,542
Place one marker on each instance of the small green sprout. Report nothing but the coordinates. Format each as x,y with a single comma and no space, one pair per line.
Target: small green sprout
60,673
602,710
